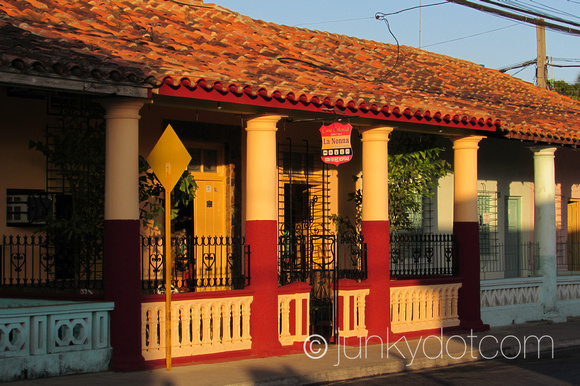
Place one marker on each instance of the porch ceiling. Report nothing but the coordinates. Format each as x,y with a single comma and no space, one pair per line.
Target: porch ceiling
207,52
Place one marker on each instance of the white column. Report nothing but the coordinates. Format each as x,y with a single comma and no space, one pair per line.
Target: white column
545,227
375,155
261,172
122,159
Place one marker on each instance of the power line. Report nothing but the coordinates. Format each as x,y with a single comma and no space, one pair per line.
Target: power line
531,12
555,10
470,36
370,17
382,17
409,9
513,16
336,21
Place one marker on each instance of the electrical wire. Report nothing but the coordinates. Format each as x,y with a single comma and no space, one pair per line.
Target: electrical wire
382,17
530,11
470,36
366,18
411,8
335,21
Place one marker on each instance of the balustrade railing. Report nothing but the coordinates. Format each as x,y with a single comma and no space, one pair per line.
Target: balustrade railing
40,338
293,317
423,255
199,326
352,312
424,307
199,263
38,262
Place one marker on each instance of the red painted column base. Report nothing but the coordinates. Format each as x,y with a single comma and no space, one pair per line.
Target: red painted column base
378,302
262,236
469,307
122,285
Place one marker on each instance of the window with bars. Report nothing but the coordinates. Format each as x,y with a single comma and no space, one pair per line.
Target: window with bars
487,213
422,220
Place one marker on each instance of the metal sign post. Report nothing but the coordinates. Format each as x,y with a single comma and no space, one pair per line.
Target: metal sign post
168,159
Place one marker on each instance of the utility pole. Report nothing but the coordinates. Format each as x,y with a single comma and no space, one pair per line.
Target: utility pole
541,40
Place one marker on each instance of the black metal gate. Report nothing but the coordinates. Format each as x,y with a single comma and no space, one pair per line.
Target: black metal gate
321,260
308,251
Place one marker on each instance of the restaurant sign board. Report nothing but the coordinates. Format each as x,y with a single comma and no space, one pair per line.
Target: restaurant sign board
336,144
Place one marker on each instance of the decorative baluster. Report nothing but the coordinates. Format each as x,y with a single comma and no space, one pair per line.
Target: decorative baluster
195,325
216,319
205,320
246,321
361,312
454,314
236,325
284,312
226,322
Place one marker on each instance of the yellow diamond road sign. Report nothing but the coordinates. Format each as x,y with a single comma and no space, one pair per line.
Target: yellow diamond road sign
169,158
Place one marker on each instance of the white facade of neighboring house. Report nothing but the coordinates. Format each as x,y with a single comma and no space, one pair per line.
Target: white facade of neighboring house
509,254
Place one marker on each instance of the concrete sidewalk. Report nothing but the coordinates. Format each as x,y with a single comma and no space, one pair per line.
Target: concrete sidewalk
347,362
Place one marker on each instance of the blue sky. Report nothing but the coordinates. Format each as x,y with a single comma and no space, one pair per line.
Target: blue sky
445,29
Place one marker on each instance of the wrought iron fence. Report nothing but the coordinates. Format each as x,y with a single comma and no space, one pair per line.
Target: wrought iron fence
568,256
422,255
40,262
199,263
305,257
510,261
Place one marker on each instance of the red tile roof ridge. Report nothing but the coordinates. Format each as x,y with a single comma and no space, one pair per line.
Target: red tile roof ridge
265,60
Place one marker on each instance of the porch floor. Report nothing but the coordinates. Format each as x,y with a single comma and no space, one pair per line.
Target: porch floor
300,369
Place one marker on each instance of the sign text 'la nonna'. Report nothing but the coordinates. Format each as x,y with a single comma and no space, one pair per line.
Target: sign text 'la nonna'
336,145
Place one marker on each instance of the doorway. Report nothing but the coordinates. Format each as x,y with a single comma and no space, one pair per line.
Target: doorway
207,169
513,246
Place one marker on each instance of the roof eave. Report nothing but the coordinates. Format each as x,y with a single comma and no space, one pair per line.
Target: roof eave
276,101
74,85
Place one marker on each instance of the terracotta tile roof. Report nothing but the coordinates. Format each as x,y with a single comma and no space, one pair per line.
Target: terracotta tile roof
206,51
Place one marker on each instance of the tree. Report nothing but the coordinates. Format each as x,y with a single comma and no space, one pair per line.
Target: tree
413,176
567,89
415,166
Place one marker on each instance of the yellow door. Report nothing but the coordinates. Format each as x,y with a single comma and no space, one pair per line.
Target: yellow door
208,216
574,236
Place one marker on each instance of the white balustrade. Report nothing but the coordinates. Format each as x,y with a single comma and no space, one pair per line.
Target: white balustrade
293,329
353,312
425,307
198,326
41,338
569,288
510,292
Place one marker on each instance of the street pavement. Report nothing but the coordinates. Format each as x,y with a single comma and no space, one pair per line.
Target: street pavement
318,363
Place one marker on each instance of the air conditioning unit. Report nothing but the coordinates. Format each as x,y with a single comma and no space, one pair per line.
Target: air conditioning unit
28,207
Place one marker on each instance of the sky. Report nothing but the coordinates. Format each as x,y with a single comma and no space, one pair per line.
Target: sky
446,29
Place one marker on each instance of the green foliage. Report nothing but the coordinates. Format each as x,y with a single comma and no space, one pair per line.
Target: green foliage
151,195
567,89
412,176
415,166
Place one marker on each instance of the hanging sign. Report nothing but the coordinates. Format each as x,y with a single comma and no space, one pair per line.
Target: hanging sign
336,145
